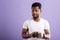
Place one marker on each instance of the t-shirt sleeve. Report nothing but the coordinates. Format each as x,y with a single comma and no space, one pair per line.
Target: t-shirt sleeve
47,26
25,25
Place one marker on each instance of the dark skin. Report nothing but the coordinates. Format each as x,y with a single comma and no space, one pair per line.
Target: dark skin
35,13
25,35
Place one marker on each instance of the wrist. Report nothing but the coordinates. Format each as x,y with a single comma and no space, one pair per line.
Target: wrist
46,36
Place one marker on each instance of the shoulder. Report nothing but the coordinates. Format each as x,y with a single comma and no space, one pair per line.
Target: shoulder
44,20
27,21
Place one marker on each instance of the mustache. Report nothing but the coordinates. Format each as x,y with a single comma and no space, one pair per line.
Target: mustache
35,16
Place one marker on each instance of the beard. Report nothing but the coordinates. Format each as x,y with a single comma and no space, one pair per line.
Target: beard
35,16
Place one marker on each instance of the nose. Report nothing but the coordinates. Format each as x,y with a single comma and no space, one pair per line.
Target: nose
34,12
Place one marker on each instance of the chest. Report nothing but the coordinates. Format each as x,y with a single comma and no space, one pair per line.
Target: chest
36,27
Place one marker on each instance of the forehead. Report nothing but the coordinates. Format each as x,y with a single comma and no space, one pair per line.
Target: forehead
35,8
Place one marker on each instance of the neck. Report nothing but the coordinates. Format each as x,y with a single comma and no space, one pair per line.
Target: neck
36,19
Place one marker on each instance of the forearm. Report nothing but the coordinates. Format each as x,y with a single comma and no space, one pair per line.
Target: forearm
26,35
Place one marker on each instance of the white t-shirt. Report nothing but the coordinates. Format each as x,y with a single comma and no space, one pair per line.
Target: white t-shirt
34,26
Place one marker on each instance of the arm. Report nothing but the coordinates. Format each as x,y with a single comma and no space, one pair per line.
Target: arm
47,33
25,30
47,30
24,34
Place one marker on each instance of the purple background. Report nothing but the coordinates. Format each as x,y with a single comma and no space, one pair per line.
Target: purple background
13,13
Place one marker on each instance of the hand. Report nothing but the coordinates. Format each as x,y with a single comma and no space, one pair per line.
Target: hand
39,35
32,34
35,34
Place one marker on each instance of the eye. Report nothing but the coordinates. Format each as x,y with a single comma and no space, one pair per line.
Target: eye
36,10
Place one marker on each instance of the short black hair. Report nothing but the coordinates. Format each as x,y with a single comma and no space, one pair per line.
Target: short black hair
35,4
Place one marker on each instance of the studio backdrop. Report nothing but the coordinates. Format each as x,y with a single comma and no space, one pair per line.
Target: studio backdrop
13,13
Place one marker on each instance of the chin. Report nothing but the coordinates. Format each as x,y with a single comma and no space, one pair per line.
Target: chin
35,16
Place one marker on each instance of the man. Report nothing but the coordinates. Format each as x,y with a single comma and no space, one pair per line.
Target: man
36,28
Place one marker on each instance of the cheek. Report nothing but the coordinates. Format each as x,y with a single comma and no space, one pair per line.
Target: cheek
37,12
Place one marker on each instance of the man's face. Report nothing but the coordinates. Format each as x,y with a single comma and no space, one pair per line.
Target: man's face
36,11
